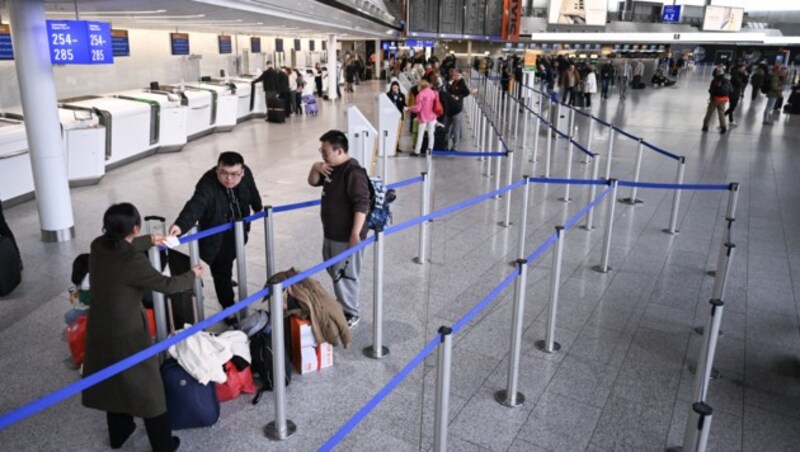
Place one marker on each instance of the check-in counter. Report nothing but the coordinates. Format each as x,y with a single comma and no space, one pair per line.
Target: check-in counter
16,183
257,103
226,104
172,118
243,91
132,127
202,110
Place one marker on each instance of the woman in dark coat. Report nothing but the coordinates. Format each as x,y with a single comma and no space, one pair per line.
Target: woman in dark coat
119,274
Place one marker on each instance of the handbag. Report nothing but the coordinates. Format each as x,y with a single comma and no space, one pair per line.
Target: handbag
238,381
438,110
76,338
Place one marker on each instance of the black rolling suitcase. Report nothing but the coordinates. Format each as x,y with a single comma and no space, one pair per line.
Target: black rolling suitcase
10,272
275,110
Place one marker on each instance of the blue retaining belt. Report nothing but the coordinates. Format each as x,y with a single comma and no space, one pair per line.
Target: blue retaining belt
206,233
469,154
485,302
296,206
661,151
623,183
586,209
403,183
547,180
626,133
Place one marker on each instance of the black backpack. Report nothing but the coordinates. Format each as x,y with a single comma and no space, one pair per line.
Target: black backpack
261,358
719,88
766,84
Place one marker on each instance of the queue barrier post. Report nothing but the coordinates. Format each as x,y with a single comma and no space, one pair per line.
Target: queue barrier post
509,171
535,156
423,227
518,106
724,266
549,153
498,164
523,221
590,138
269,239
570,150
281,428
610,152
489,143
377,350
632,200
510,397
557,122
159,305
443,370
676,198
194,260
571,119
526,118
481,130
241,264
698,427
549,344
705,362
730,217
589,225
385,159
611,201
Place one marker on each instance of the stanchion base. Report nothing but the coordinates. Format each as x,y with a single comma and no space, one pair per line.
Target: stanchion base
711,273
588,229
417,260
676,232
630,201
714,372
567,200
272,432
700,329
599,269
674,449
369,352
542,345
502,398
503,224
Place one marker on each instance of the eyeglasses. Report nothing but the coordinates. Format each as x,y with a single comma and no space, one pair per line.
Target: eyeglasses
228,175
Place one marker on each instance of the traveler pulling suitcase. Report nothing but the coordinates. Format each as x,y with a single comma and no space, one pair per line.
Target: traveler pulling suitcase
275,110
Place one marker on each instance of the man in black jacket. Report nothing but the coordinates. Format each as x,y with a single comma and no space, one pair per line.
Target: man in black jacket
224,194
269,80
284,90
458,90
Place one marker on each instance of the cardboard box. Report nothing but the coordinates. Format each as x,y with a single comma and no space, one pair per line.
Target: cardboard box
307,356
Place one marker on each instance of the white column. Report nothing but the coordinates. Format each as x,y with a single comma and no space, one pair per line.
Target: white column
378,59
42,125
333,68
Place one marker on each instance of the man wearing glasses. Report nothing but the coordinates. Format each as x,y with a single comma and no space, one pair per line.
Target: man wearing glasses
345,204
224,194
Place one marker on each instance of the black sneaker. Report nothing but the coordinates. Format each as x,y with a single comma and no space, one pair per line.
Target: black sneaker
705,129
723,130
352,321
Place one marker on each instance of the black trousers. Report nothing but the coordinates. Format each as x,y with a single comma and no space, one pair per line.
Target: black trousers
5,231
733,101
222,269
159,431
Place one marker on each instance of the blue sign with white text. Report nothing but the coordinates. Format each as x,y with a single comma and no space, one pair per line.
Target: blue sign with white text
671,14
79,42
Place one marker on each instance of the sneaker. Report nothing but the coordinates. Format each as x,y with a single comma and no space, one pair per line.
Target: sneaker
767,123
705,129
723,130
733,124
352,321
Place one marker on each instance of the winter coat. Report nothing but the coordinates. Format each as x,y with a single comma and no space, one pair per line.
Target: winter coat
775,85
398,99
210,206
117,327
590,83
423,105
269,80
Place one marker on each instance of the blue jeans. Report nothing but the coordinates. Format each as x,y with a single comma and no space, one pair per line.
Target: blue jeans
605,85
771,101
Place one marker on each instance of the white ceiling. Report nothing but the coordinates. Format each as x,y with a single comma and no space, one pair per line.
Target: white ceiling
300,18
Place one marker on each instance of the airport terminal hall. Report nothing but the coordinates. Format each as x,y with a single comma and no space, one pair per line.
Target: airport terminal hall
400,225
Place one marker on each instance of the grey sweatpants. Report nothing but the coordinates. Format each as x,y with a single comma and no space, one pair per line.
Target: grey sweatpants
344,275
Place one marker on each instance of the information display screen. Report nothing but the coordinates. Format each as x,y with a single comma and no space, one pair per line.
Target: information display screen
120,45
6,48
578,12
297,45
723,18
311,45
255,45
671,14
179,43
79,42
278,45
224,42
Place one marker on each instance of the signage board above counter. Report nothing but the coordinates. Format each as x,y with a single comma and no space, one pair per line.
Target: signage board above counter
6,47
120,44
179,43
79,42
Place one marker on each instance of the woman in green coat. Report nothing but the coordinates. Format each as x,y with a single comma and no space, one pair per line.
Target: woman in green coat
119,274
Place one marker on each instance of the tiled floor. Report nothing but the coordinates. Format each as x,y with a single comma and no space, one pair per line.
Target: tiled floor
621,379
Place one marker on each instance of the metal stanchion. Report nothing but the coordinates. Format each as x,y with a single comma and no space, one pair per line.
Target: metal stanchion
269,241
632,200
441,416
281,428
549,345
241,264
510,397
590,138
377,350
571,119
509,171
698,427
523,221
489,143
610,152
730,217
705,362
481,129
589,225
518,105
423,227
548,154
498,165
676,198
557,122
159,306
610,200
570,148
721,279
526,118
194,260
385,164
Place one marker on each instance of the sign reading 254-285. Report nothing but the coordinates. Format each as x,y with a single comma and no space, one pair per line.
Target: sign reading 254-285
79,42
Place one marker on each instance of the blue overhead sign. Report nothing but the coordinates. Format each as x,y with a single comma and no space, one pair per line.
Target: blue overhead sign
79,42
6,47
671,14
179,43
